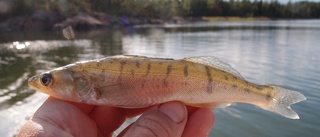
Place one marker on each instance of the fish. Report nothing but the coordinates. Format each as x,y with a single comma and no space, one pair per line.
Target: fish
131,81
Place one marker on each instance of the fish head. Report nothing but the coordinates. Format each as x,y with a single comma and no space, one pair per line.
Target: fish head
58,83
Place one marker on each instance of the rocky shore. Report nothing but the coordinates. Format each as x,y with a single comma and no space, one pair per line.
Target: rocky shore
46,21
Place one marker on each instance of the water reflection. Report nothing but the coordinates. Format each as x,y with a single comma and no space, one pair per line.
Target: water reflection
19,46
280,52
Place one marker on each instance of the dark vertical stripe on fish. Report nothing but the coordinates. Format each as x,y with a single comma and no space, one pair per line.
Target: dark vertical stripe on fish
247,90
98,64
235,78
268,96
122,63
258,87
226,77
234,86
148,69
169,68
121,66
185,71
147,73
209,88
165,81
138,64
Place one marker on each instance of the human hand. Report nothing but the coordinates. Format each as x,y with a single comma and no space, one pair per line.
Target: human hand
66,119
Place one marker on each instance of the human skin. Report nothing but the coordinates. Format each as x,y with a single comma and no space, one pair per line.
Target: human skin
60,118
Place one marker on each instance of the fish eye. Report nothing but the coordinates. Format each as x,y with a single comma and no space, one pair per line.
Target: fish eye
46,79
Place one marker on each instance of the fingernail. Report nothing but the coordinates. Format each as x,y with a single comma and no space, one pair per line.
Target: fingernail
175,110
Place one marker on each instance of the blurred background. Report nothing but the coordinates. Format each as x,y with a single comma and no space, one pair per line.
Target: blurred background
267,41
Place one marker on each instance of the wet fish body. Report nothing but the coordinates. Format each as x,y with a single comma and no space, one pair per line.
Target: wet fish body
137,81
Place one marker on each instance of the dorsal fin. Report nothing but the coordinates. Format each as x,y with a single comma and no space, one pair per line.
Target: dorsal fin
216,63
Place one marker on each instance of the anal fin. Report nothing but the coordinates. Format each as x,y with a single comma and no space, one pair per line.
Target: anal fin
212,105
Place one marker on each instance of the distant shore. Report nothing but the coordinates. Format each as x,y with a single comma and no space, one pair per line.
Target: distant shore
19,15
49,21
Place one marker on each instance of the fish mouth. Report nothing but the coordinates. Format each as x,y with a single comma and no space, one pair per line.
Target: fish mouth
32,82
33,78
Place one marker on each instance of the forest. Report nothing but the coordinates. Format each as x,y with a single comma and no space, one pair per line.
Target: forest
168,8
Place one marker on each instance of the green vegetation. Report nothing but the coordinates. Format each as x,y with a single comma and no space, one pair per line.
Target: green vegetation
168,8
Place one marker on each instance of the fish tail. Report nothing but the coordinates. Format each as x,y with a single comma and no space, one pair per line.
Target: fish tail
282,100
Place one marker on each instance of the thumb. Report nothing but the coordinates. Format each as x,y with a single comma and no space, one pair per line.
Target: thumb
166,120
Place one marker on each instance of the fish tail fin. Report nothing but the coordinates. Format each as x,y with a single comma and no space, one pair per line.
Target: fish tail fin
282,100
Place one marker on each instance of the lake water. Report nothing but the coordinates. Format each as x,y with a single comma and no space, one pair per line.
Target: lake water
285,53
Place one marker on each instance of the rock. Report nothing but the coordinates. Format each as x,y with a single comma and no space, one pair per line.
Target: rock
45,16
42,20
39,20
12,24
137,20
155,21
80,21
178,20
104,18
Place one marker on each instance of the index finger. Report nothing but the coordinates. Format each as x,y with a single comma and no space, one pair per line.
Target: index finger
107,118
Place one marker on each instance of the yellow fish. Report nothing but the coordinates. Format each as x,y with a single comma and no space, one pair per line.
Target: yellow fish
137,81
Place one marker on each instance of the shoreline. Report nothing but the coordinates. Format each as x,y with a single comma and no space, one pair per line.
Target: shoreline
82,21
